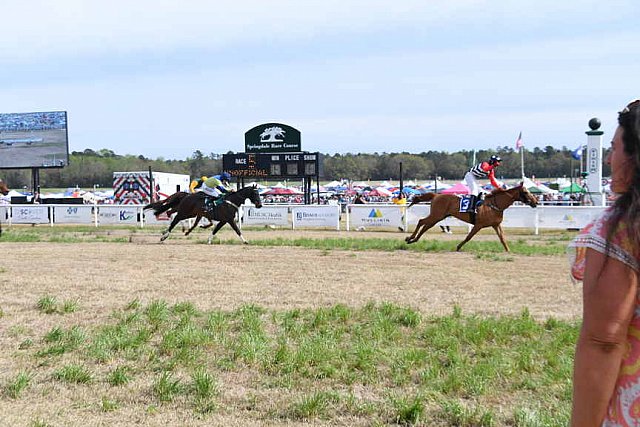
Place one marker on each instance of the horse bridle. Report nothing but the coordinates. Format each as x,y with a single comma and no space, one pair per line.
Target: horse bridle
232,204
495,196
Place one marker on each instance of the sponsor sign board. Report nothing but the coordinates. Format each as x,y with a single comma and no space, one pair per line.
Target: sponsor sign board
316,216
267,215
117,215
370,216
566,217
73,214
23,214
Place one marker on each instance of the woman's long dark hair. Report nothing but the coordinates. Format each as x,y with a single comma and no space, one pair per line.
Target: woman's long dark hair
627,205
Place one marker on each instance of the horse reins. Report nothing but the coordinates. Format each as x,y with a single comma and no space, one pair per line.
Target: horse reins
496,208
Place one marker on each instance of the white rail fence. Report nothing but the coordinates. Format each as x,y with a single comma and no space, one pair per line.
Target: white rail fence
354,217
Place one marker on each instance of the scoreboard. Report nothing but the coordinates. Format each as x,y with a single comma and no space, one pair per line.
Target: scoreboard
277,165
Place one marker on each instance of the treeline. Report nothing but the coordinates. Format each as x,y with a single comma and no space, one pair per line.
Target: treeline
90,168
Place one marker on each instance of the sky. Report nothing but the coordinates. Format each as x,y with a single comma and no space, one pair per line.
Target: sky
164,78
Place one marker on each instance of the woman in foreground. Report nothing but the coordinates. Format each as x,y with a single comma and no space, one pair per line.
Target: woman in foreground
606,377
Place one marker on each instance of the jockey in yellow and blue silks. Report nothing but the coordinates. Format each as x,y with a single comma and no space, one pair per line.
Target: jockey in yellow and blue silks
216,185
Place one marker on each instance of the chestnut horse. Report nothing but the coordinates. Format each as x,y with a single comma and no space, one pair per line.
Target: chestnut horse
4,190
489,214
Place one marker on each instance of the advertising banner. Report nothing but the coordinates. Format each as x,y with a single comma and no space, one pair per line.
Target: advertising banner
520,217
24,214
74,214
370,216
267,215
125,215
567,217
316,216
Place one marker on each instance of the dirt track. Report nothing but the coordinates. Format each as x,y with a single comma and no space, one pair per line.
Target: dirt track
105,276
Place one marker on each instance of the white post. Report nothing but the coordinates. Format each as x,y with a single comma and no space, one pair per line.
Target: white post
348,211
594,163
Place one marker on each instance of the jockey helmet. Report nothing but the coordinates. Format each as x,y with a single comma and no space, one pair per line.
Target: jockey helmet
224,176
495,159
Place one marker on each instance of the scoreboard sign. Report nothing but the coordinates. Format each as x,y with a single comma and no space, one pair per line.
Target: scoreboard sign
264,165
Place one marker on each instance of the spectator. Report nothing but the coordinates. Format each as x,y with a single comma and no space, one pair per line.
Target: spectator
606,377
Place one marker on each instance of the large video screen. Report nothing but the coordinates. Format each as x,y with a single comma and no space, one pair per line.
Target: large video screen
34,140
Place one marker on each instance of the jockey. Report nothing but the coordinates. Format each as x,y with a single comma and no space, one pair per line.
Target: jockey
216,185
481,170
196,184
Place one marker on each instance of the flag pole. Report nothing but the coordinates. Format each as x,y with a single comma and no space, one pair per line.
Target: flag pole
522,161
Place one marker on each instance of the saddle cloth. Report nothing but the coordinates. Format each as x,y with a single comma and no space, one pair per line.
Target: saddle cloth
210,203
465,203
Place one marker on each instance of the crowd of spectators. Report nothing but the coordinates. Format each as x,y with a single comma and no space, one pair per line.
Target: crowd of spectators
33,121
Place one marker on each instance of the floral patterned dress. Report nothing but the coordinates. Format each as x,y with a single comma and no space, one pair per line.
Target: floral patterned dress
624,406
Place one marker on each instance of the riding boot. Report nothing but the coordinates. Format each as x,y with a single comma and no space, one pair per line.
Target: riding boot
472,209
472,203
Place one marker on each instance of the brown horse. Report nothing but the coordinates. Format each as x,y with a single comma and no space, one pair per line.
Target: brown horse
4,190
193,205
489,214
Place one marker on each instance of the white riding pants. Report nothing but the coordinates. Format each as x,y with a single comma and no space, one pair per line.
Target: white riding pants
471,182
214,192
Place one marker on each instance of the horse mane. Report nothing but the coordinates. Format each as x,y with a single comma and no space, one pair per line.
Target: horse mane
499,190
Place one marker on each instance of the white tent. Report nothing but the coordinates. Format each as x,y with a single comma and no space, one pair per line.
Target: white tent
431,185
333,184
257,185
528,183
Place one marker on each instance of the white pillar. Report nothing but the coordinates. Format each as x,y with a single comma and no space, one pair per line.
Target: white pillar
594,163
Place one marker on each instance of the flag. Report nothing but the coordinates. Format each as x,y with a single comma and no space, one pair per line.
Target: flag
519,143
577,153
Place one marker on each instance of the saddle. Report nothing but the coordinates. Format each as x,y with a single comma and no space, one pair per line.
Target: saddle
210,203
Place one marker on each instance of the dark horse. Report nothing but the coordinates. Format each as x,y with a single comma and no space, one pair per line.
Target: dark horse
4,190
489,214
167,205
192,205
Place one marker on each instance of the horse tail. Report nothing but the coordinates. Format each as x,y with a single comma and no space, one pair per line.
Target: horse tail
422,198
153,206
164,205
